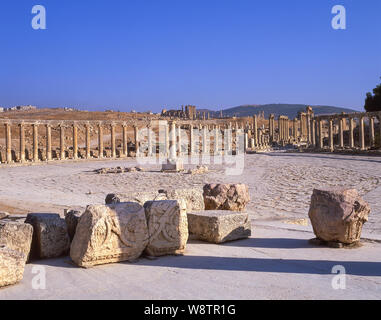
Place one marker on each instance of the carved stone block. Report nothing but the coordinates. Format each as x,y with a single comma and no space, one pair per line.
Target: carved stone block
167,227
110,233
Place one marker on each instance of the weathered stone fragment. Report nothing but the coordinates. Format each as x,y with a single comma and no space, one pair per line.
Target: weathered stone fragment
193,197
71,218
139,197
50,236
198,170
110,233
12,265
3,215
338,214
16,236
232,197
167,227
219,226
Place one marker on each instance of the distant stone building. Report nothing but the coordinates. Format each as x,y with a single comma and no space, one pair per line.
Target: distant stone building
21,108
1,109
189,112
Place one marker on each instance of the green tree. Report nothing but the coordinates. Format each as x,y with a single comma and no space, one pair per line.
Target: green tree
373,101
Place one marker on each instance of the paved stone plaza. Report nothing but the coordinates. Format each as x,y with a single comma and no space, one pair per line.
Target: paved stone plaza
275,262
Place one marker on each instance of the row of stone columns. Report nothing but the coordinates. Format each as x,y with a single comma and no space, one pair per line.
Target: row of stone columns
339,122
284,129
258,135
62,145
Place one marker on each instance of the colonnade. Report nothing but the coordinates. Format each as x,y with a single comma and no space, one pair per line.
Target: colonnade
192,138
345,131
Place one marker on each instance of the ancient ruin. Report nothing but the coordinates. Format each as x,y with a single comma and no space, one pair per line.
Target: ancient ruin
181,137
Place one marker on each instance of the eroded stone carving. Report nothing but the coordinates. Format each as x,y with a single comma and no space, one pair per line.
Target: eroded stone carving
193,197
110,233
12,265
167,227
338,214
16,236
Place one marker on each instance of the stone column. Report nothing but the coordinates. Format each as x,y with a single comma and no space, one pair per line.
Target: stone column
308,120
150,144
167,143
136,138
313,132
362,133
172,148
260,141
204,140
113,143
180,141
228,140
351,135
304,127
216,150
35,142
62,141
125,141
341,133
331,146
288,129
321,135
8,141
191,140
22,142
88,141
255,129
371,132
245,142
295,129
271,126
75,141
100,140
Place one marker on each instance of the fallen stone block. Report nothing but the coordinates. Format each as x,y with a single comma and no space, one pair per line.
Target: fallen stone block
233,197
193,197
12,264
167,227
16,236
139,197
109,233
338,214
50,236
72,218
219,226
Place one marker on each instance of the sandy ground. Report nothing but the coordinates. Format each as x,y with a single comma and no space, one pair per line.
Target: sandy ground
277,262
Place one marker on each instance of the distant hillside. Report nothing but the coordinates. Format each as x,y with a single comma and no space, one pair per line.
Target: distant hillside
290,110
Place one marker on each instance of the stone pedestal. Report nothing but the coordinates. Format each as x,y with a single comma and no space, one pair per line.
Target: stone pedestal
173,165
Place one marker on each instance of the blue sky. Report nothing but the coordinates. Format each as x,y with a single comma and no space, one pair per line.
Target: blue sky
143,55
